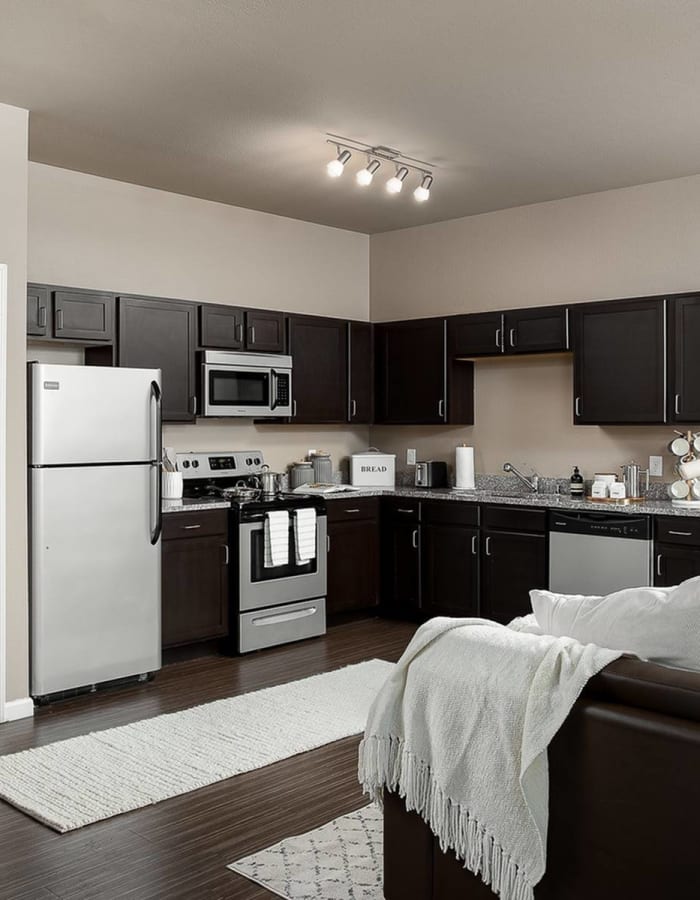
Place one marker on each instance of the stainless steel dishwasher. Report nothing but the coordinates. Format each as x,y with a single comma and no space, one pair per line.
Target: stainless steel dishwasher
598,553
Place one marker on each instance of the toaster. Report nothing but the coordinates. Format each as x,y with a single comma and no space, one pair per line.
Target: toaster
431,474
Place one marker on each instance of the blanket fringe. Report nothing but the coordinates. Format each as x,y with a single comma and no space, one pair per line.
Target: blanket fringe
385,762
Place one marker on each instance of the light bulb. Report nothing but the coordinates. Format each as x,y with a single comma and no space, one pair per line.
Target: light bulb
395,184
336,167
365,176
422,192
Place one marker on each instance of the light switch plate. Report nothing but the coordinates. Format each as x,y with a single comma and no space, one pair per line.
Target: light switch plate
656,465
410,457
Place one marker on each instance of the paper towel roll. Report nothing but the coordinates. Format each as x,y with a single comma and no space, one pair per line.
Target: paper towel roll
464,468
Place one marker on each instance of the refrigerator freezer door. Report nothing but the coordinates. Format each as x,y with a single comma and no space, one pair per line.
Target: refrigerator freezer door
95,576
92,414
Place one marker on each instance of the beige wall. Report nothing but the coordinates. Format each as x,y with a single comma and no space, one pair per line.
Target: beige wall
86,231
631,242
13,252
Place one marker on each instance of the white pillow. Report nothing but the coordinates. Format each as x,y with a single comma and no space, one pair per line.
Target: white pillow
657,624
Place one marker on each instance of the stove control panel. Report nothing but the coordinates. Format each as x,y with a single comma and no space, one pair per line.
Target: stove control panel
215,464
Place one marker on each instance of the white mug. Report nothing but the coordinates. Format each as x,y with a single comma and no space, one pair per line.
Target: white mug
695,490
689,470
679,490
172,485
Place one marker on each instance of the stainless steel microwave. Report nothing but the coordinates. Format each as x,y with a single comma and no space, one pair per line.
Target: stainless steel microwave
245,384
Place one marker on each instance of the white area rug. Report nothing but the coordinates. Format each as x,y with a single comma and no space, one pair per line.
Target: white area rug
81,780
339,861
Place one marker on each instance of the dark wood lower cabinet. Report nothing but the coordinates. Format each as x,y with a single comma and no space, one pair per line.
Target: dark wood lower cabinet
675,564
195,577
450,559
512,564
353,556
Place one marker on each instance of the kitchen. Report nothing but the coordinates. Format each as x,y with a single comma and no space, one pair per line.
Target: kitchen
539,306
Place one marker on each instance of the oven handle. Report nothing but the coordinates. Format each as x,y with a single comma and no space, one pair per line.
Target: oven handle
278,618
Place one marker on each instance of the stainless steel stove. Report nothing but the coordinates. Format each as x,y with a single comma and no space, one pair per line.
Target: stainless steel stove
269,604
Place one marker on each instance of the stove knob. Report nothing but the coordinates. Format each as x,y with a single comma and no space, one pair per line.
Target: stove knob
249,462
186,464
195,463
257,460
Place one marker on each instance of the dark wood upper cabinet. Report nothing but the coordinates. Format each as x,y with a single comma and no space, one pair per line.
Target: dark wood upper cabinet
319,350
450,559
37,310
619,362
83,315
221,327
361,372
475,334
264,331
414,383
684,359
161,334
536,330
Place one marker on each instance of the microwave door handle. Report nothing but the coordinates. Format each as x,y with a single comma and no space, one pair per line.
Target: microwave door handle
273,389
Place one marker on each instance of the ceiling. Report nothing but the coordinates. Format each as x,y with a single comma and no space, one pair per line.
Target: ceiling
514,101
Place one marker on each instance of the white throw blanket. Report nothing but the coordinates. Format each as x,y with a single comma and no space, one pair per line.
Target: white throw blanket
460,730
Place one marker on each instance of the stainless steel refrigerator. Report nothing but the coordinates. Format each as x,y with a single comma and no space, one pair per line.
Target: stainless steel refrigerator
95,522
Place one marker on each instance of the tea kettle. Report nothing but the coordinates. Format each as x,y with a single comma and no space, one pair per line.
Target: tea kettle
632,476
269,482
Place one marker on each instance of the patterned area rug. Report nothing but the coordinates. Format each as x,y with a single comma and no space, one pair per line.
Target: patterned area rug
338,861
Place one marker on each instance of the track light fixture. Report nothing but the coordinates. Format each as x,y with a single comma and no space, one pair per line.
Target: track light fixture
422,192
336,167
395,184
365,176
404,165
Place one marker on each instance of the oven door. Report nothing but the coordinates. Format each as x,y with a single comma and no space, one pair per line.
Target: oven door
260,587
237,391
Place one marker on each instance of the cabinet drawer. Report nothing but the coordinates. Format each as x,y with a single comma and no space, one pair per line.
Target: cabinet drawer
195,524
450,512
515,518
402,509
678,530
348,509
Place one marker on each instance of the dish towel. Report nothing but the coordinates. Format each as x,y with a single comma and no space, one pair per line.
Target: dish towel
276,539
460,730
305,535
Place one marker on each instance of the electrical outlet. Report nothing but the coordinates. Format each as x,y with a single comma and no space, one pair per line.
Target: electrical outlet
410,457
656,465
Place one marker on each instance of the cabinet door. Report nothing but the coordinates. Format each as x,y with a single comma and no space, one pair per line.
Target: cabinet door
319,350
195,589
512,565
221,327
619,362
83,316
401,567
538,330
353,566
684,346
450,567
160,334
410,372
360,391
264,331
675,564
480,334
37,309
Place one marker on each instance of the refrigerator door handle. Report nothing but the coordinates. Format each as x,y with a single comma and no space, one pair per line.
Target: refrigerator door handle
157,518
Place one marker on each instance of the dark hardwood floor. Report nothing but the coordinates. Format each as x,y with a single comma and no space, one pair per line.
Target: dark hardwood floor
180,848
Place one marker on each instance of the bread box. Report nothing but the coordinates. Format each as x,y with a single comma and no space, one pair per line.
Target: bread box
373,469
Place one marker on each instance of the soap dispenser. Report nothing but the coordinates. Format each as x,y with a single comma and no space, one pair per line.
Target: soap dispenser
576,483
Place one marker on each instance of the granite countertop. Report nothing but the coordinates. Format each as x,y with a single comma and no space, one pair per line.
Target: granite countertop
189,504
549,501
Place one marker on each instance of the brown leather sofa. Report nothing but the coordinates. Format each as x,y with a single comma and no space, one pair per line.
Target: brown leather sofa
624,800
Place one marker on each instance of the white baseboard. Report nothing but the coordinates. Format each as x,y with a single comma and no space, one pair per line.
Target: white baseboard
19,709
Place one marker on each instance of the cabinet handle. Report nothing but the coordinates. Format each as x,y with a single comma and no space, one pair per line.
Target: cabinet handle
682,533
194,406
190,527
474,548
41,321
658,564
328,543
225,548
488,546
441,409
414,539
409,511
577,407
352,510
511,337
353,408
294,407
239,330
252,334
498,338
59,319
677,405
